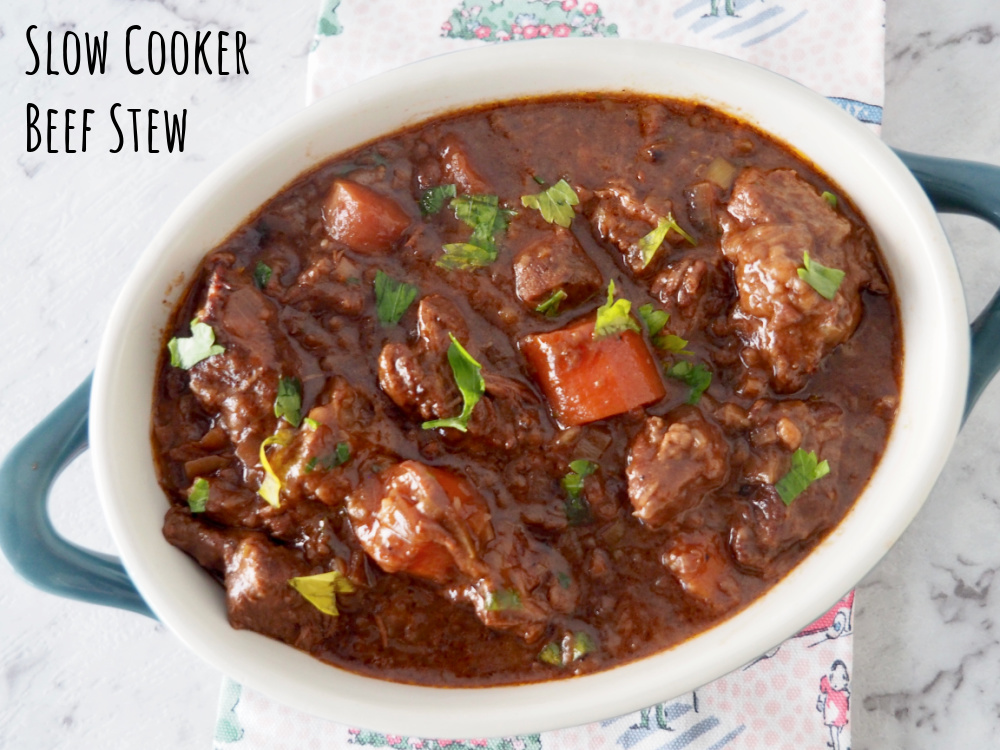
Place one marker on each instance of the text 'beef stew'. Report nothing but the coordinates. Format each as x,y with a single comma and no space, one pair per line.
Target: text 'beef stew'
526,391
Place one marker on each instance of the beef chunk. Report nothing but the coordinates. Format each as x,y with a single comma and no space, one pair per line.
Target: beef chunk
673,464
209,545
259,597
363,219
618,217
694,290
773,219
701,565
553,264
763,527
458,168
423,521
434,525
418,379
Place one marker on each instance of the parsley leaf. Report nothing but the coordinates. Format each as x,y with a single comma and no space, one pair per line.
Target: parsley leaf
288,402
432,200
806,469
555,203
826,281
697,377
198,495
502,599
339,457
671,343
577,508
321,590
613,317
270,488
649,244
574,646
470,383
654,319
392,298
186,353
830,198
484,215
550,307
261,274
464,255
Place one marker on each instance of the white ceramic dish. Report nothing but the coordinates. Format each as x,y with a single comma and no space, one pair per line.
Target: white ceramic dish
934,328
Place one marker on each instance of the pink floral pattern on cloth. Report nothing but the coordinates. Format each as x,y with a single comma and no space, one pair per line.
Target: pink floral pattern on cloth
795,697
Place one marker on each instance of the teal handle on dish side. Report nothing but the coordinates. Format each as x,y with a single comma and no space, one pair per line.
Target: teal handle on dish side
27,538
50,562
967,187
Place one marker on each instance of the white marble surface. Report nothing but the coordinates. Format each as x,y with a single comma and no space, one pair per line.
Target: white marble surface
79,676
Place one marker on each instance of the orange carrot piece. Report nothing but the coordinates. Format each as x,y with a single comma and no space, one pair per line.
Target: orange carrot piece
363,219
586,379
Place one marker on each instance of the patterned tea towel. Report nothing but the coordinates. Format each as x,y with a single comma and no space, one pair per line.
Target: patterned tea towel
797,696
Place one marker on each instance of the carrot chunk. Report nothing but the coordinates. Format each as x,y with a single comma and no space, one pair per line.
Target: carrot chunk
363,219
586,379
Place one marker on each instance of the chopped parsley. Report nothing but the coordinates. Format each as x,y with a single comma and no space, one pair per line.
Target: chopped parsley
392,298
198,495
321,590
698,377
554,203
261,274
653,318
288,402
270,488
470,383
484,215
339,457
574,647
550,307
613,317
577,508
432,200
538,179
806,469
312,424
502,599
830,198
187,352
649,244
826,281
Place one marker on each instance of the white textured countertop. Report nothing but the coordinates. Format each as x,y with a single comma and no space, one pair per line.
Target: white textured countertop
79,676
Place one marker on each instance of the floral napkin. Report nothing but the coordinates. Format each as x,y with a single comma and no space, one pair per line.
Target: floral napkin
797,696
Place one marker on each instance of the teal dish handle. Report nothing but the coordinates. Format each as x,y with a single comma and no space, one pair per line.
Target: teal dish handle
50,562
967,187
29,541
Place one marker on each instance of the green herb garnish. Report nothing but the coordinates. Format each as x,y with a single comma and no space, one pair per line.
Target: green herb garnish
551,654
461,256
312,424
654,319
502,599
392,298
538,179
187,352
198,495
577,508
830,198
270,488
555,203
484,215
321,590
261,274
613,317
806,469
432,200
550,307
649,244
826,281
288,403
574,647
339,457
698,377
470,383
